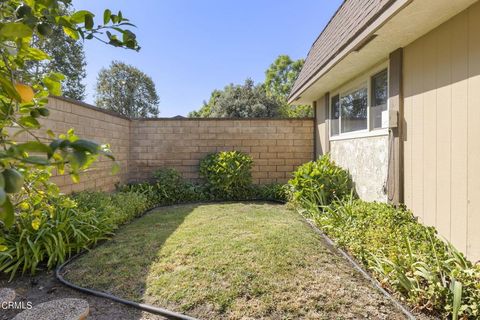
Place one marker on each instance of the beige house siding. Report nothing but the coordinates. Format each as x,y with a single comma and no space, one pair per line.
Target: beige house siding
442,132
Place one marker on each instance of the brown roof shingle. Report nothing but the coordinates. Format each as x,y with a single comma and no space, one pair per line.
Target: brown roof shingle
350,19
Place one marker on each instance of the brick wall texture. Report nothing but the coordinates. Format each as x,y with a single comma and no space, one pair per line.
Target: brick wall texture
143,146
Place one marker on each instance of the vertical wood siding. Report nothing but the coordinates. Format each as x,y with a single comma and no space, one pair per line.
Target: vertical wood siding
442,138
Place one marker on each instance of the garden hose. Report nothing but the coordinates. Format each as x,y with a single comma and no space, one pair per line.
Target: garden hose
174,315
144,307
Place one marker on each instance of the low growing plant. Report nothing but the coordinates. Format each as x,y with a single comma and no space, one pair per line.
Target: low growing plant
227,174
50,229
322,179
407,257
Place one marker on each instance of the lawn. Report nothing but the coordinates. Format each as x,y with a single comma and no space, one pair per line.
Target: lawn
230,260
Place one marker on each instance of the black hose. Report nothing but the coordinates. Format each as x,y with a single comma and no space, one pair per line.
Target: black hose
144,307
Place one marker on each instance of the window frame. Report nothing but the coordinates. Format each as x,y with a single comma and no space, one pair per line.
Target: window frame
355,84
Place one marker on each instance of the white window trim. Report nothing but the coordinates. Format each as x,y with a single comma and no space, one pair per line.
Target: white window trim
351,86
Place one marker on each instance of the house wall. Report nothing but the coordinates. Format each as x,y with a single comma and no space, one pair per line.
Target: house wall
367,161
442,129
276,146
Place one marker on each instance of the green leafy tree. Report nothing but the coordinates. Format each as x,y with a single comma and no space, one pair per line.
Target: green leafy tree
127,90
24,97
240,101
66,57
279,80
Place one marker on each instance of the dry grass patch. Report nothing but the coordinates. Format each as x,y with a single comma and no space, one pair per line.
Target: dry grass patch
232,260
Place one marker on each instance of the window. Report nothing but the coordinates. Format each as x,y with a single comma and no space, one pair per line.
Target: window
354,105
379,117
363,108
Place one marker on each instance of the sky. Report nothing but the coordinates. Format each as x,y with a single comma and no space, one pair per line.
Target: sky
191,47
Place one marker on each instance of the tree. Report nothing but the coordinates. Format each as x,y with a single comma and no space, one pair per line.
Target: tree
24,97
66,57
279,80
240,101
127,90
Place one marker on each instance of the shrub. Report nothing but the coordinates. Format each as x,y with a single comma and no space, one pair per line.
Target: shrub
405,256
322,179
270,192
227,174
168,187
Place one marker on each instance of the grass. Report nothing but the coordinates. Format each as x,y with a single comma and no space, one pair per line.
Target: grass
235,261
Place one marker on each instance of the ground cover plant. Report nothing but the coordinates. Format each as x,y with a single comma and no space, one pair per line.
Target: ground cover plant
407,257
230,260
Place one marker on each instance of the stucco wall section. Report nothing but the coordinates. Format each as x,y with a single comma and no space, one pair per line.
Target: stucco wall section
367,161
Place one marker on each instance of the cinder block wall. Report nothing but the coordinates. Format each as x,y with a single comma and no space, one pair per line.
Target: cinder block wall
94,124
143,146
276,146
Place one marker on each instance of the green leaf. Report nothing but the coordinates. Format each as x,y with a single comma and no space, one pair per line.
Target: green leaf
37,160
79,16
8,87
457,298
55,87
15,30
106,16
85,145
29,122
34,146
71,33
7,214
34,54
89,22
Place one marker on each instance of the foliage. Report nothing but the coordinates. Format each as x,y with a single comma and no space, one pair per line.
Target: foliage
264,100
168,187
239,101
127,90
406,256
270,192
23,96
67,57
227,174
322,179
52,231
279,80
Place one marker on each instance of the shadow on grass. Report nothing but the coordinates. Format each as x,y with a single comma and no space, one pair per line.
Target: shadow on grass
126,258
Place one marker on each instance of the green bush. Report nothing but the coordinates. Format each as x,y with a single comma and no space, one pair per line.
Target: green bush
227,174
270,192
168,187
405,256
321,179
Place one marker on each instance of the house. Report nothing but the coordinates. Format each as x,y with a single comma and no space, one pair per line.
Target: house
395,86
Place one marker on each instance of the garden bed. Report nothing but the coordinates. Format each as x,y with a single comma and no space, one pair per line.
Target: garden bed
230,260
